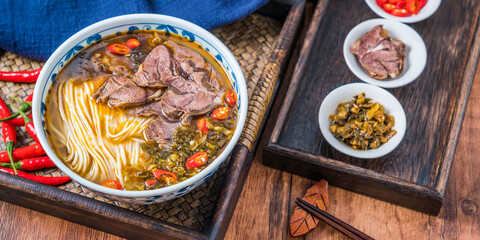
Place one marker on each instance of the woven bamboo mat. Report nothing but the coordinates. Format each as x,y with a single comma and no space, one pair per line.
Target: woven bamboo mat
251,41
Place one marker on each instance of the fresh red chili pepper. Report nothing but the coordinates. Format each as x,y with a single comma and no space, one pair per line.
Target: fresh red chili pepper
31,164
221,113
118,49
112,184
8,132
196,160
164,175
133,43
24,108
18,122
202,125
28,125
21,76
412,6
151,182
31,151
400,12
231,97
52,181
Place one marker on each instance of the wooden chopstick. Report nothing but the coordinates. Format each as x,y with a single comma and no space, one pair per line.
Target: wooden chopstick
336,223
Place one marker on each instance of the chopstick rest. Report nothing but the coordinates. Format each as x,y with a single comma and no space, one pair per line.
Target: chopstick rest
336,223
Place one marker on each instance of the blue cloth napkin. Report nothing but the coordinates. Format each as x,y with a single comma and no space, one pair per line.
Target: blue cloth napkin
35,28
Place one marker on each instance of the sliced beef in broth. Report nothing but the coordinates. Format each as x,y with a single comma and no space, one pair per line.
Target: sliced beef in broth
120,92
159,65
161,131
195,67
147,110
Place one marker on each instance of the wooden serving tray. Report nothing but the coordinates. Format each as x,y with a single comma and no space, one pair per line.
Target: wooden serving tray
415,174
134,222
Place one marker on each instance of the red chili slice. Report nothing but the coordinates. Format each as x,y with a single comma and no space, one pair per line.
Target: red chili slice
221,113
231,97
164,175
196,160
118,49
133,43
150,182
202,125
112,184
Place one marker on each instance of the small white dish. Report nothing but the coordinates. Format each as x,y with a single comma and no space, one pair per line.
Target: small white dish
428,10
416,52
344,94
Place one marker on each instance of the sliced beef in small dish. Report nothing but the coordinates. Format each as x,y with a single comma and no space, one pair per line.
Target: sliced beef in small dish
380,55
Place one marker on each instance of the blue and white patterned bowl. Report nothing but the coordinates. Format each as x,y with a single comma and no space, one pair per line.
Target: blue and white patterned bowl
95,33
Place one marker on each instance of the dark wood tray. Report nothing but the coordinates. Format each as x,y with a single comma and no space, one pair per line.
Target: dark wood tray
135,225
415,174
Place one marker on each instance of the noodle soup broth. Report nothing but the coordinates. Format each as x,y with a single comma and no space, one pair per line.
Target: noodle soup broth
140,117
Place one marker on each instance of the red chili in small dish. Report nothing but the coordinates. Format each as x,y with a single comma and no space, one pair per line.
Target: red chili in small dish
402,8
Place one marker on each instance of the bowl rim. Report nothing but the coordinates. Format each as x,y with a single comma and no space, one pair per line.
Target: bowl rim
428,10
384,149
135,19
393,27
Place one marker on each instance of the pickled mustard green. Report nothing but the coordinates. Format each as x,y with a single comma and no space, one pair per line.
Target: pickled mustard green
362,123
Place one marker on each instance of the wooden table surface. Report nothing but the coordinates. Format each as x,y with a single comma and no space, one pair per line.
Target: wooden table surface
268,197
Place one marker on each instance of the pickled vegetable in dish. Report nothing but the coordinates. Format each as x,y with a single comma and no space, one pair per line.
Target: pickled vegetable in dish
362,123
140,110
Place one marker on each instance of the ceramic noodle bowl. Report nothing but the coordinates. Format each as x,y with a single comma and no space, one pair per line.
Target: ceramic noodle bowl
128,23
